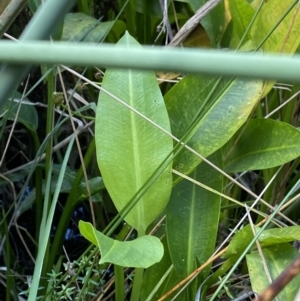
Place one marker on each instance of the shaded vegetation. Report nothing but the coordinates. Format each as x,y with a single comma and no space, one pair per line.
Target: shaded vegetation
149,185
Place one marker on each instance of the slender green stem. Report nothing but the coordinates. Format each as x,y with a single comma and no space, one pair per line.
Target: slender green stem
48,158
267,175
137,283
250,25
38,190
83,6
119,282
70,203
119,271
206,62
50,117
9,278
47,222
138,278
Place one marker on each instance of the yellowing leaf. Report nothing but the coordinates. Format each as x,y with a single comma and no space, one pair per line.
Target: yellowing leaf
286,36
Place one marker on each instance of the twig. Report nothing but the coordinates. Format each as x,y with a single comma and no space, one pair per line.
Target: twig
193,275
10,13
166,23
193,22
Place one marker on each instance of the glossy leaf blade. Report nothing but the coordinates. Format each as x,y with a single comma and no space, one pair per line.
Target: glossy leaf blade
279,235
130,149
277,258
81,27
225,112
286,36
241,14
273,143
192,218
139,253
267,238
240,241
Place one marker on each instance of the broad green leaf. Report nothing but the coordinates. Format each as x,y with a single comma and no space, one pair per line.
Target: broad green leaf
241,14
81,27
279,235
239,241
277,258
227,109
286,36
192,218
229,37
214,23
268,237
139,253
273,143
130,149
27,114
